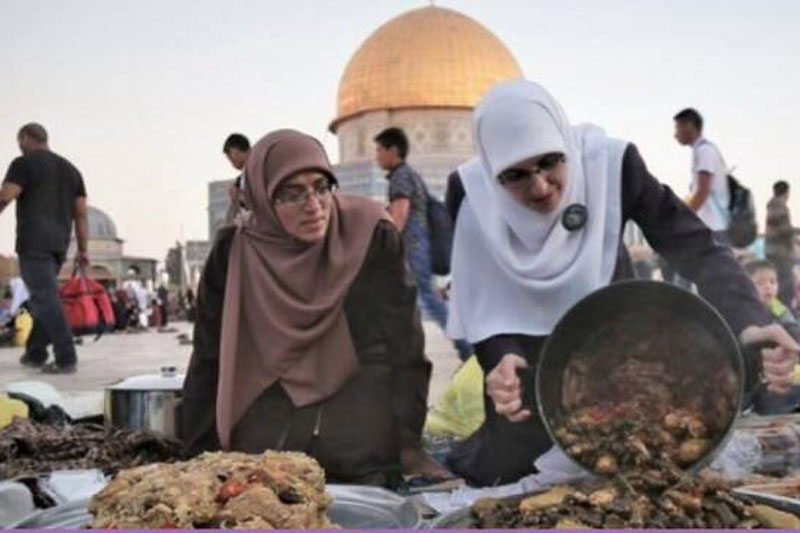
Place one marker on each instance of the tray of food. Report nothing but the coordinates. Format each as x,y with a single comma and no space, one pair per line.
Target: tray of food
283,490
640,502
29,448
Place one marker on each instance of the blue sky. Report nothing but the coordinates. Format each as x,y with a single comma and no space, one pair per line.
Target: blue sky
140,95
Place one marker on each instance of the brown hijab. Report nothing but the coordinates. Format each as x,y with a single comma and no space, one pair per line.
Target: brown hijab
283,318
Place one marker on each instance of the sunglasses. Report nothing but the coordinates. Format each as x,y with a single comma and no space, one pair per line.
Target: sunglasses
519,175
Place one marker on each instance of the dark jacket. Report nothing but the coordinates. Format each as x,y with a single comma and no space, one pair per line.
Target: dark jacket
675,233
357,433
779,238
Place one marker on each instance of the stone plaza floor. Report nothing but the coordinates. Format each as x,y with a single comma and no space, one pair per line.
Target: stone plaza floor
118,356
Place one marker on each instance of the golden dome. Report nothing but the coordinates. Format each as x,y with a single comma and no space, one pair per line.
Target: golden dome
428,57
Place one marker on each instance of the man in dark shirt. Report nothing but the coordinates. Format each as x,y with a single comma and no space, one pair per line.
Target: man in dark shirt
779,241
408,204
50,196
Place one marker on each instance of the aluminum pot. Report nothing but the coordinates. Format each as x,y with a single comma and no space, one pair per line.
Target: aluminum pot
673,328
147,402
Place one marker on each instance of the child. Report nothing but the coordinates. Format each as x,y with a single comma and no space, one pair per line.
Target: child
765,278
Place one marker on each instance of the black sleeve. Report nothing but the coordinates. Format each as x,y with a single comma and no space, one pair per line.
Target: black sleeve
455,194
402,184
400,321
789,323
80,187
491,350
678,235
198,405
18,172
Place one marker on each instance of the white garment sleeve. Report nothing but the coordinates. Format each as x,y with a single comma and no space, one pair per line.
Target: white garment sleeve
706,159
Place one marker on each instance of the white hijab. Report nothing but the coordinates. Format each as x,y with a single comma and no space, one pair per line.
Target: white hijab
516,270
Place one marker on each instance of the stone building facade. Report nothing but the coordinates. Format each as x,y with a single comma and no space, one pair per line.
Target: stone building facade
440,140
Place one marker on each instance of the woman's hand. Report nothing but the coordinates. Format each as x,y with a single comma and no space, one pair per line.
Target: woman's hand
505,388
778,363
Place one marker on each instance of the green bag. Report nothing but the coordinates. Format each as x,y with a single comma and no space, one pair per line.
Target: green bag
459,412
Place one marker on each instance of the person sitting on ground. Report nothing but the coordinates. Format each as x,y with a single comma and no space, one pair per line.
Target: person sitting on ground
764,274
765,277
308,336
541,212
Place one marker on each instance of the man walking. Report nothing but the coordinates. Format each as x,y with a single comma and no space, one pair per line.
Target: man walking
408,202
709,189
779,241
236,149
50,197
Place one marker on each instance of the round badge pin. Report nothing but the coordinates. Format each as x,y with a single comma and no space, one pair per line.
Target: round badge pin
574,217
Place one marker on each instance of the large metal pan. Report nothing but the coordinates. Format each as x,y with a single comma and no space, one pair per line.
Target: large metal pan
670,327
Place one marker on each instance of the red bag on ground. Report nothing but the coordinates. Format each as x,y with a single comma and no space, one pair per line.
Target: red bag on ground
86,305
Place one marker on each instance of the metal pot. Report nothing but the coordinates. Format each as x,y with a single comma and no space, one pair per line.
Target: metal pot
147,402
685,333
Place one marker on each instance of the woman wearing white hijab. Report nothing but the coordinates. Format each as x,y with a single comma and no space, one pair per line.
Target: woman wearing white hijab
539,216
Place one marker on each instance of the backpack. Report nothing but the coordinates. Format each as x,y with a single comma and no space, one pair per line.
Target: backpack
741,211
87,306
440,232
742,229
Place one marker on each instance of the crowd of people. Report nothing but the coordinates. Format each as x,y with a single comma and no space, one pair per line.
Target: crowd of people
135,309
308,312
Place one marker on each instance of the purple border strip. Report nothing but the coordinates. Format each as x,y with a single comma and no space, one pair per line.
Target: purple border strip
396,530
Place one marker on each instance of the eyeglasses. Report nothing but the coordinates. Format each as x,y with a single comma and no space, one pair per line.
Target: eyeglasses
297,196
520,177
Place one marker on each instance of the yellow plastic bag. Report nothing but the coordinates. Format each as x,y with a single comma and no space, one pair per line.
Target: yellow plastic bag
23,324
459,412
10,408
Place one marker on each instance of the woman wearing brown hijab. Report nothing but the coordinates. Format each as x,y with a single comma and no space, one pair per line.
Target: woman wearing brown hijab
307,334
